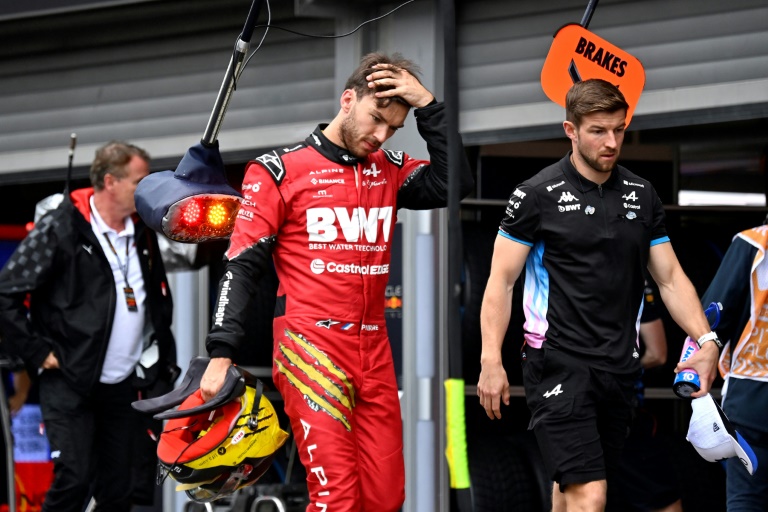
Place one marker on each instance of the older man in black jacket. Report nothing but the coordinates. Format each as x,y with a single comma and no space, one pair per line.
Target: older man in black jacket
99,300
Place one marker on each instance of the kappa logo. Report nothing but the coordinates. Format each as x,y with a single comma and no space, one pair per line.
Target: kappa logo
555,391
630,197
373,171
567,197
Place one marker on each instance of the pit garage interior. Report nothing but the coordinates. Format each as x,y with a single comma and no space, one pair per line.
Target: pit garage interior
148,71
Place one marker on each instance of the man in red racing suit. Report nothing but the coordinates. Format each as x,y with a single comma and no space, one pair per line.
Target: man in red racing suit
325,211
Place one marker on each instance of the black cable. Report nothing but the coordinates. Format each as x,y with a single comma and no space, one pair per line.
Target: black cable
340,35
317,36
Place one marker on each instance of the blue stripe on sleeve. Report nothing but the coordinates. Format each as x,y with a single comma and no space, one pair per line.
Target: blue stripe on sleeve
510,237
658,241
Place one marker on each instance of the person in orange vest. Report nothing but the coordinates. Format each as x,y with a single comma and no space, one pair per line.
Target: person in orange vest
741,286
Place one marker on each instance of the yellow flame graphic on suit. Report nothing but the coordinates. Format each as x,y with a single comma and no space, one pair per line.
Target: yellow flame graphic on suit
337,399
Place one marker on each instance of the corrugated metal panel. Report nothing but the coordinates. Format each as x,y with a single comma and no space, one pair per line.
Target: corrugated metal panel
113,73
698,55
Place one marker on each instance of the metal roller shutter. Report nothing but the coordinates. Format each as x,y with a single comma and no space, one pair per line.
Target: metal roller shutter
705,60
149,73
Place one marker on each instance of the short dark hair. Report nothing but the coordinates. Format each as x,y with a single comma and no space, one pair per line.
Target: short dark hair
359,84
590,96
112,158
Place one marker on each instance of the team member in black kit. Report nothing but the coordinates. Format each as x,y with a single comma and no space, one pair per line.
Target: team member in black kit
584,229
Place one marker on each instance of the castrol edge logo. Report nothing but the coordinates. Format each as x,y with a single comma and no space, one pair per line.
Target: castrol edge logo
319,266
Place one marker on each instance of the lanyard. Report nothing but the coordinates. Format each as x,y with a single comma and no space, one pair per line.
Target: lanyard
123,268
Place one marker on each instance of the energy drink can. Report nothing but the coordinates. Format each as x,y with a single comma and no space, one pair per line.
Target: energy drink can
687,381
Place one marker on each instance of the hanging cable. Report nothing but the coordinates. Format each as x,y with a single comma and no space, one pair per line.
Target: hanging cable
318,36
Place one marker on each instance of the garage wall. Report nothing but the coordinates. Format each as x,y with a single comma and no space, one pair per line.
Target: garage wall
705,61
150,73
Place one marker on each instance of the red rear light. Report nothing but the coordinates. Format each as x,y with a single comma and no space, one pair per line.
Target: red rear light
201,217
191,212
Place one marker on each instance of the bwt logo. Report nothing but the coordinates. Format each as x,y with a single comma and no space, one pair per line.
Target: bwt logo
322,224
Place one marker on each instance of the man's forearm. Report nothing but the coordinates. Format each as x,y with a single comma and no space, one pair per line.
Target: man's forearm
494,321
683,304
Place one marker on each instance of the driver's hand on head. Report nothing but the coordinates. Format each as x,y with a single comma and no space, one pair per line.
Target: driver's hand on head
493,389
214,376
404,84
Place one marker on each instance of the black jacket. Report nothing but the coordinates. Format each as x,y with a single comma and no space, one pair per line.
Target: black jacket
72,294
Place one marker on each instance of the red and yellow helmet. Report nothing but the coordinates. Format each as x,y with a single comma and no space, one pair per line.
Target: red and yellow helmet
213,453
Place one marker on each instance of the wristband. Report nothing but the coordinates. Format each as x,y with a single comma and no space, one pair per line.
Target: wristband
710,336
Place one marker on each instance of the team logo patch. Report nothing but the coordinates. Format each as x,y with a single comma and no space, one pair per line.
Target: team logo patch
396,157
274,164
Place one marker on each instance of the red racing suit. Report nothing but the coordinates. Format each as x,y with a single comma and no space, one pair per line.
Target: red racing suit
326,218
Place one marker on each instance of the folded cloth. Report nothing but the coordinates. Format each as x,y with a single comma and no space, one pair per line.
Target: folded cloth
714,437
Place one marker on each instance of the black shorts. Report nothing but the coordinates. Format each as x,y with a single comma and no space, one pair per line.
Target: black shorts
580,415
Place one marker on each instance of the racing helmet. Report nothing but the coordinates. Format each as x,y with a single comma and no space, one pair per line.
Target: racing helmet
214,452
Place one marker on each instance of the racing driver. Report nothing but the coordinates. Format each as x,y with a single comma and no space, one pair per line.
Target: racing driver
324,210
